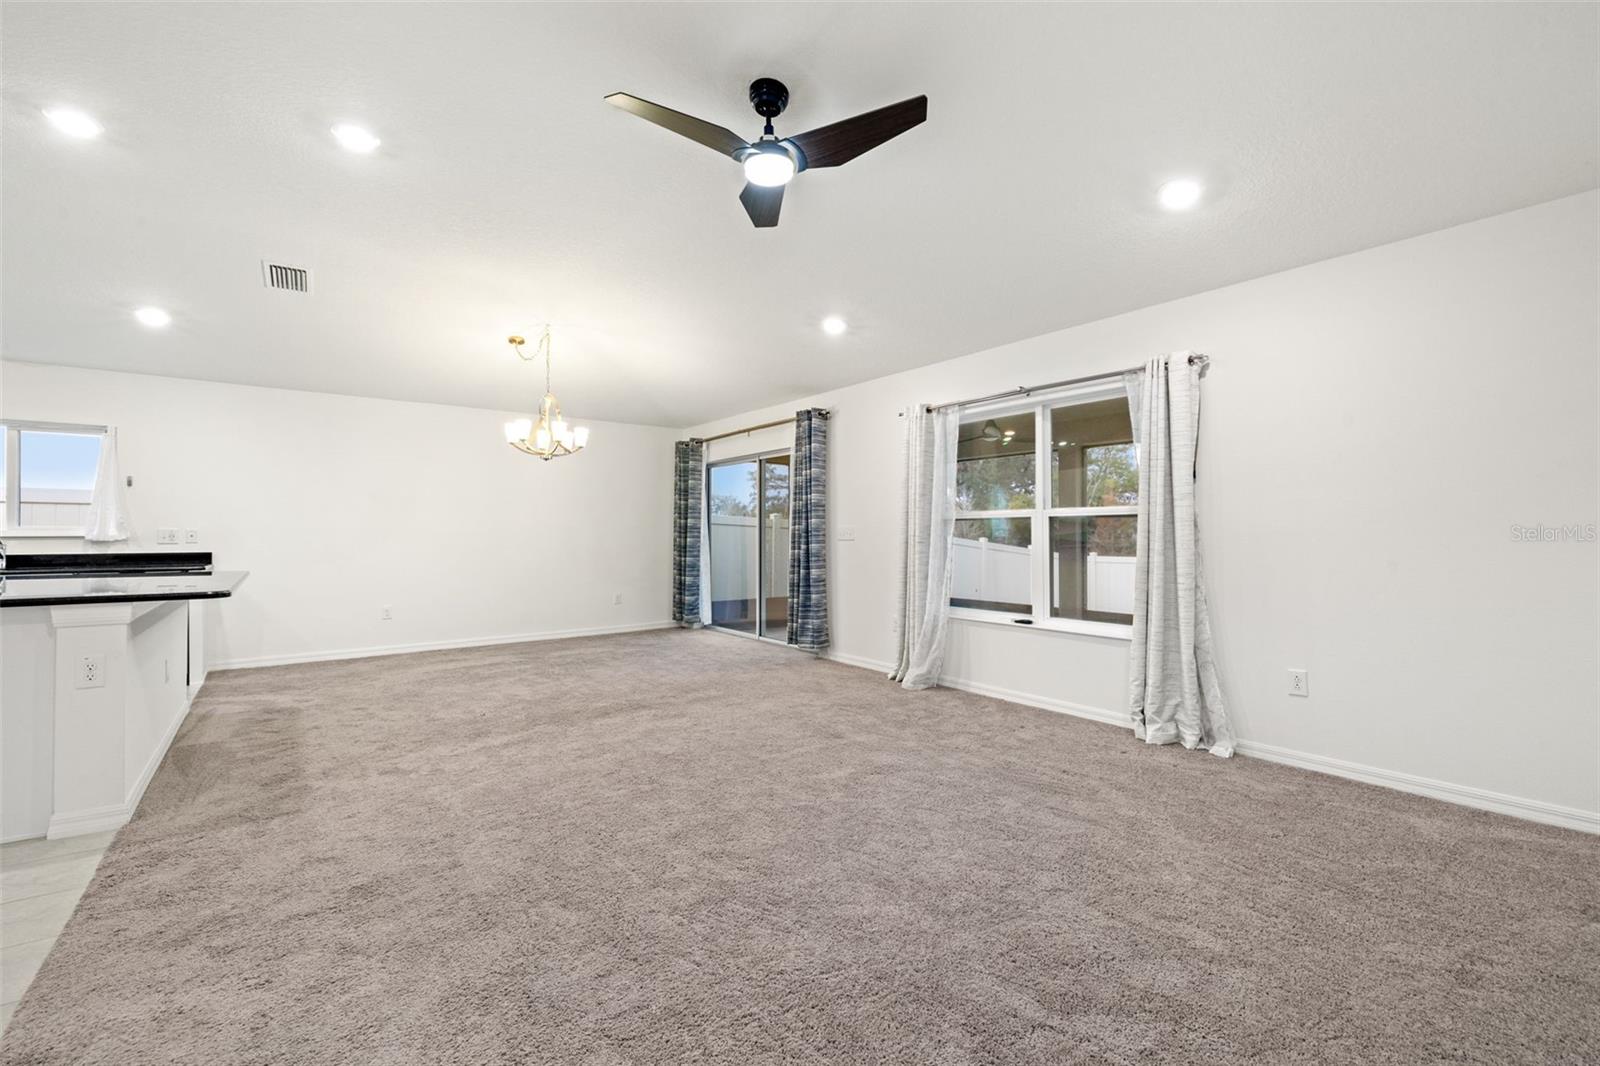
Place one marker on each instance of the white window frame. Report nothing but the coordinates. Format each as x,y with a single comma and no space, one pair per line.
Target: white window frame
13,528
1042,511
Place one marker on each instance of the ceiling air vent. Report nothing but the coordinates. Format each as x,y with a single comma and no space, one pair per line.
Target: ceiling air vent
287,278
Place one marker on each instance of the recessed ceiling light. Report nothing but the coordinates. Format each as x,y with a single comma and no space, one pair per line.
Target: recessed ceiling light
73,123
154,317
355,138
833,325
1180,195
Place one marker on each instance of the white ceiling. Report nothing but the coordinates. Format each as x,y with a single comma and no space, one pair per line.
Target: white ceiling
506,193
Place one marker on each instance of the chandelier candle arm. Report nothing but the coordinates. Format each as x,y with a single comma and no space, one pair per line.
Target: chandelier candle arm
550,436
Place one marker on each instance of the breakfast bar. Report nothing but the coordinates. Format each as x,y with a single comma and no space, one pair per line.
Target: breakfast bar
102,653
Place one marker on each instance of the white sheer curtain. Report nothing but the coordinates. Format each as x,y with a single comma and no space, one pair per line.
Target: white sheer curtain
107,518
927,525
1173,692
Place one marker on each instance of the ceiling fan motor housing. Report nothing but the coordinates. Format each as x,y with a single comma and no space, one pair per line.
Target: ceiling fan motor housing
769,97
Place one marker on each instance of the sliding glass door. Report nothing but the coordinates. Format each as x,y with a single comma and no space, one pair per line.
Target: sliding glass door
748,507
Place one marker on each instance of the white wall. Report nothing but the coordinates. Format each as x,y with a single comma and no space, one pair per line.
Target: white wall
1373,427
339,506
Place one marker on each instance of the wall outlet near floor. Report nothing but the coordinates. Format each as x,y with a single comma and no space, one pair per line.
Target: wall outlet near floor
1299,682
616,601
91,672
191,536
387,614
166,535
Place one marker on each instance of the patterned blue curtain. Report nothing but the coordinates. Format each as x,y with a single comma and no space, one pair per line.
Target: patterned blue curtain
808,536
688,496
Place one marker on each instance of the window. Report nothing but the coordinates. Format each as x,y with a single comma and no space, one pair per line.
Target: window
49,477
1047,499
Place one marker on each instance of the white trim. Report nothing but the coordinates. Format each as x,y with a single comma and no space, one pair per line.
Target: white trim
1100,388
93,820
1043,703
1461,795
1483,799
1075,626
78,615
441,645
864,663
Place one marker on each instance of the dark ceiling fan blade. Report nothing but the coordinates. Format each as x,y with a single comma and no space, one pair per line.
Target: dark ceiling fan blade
715,137
762,203
830,146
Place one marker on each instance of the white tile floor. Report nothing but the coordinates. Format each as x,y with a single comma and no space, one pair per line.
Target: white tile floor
40,882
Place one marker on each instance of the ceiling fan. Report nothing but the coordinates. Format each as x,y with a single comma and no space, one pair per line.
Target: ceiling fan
770,163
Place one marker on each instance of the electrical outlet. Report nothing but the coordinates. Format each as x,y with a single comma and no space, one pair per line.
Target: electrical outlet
387,614
91,672
847,533
166,535
616,601
1299,682
191,536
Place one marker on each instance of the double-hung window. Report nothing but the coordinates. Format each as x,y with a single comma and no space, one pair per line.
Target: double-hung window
49,477
1047,499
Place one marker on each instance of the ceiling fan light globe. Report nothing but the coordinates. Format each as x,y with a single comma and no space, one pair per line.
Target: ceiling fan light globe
769,168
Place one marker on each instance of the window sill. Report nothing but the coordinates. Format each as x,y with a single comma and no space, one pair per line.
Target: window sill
67,533
1107,630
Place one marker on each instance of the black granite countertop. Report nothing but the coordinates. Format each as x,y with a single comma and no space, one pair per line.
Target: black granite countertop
100,562
57,591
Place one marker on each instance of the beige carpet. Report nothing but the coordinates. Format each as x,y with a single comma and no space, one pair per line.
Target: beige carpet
686,847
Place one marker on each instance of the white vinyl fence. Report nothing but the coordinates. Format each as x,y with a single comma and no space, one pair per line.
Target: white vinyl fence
735,565
984,570
54,507
1110,583
1001,573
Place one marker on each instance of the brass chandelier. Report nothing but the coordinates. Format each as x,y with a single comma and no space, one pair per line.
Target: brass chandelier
550,436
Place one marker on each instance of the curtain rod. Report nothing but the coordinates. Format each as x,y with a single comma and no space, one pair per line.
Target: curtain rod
1202,361
752,429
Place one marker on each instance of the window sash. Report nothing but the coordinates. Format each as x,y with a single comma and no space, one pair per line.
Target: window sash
1039,555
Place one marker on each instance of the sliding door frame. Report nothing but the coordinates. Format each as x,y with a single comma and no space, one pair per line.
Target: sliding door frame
759,458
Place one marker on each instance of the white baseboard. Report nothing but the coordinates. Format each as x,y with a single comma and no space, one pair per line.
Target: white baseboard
856,660
978,688
1044,703
441,645
115,816
1462,795
93,820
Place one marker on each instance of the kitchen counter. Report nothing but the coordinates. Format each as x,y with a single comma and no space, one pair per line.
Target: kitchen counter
103,652
41,590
